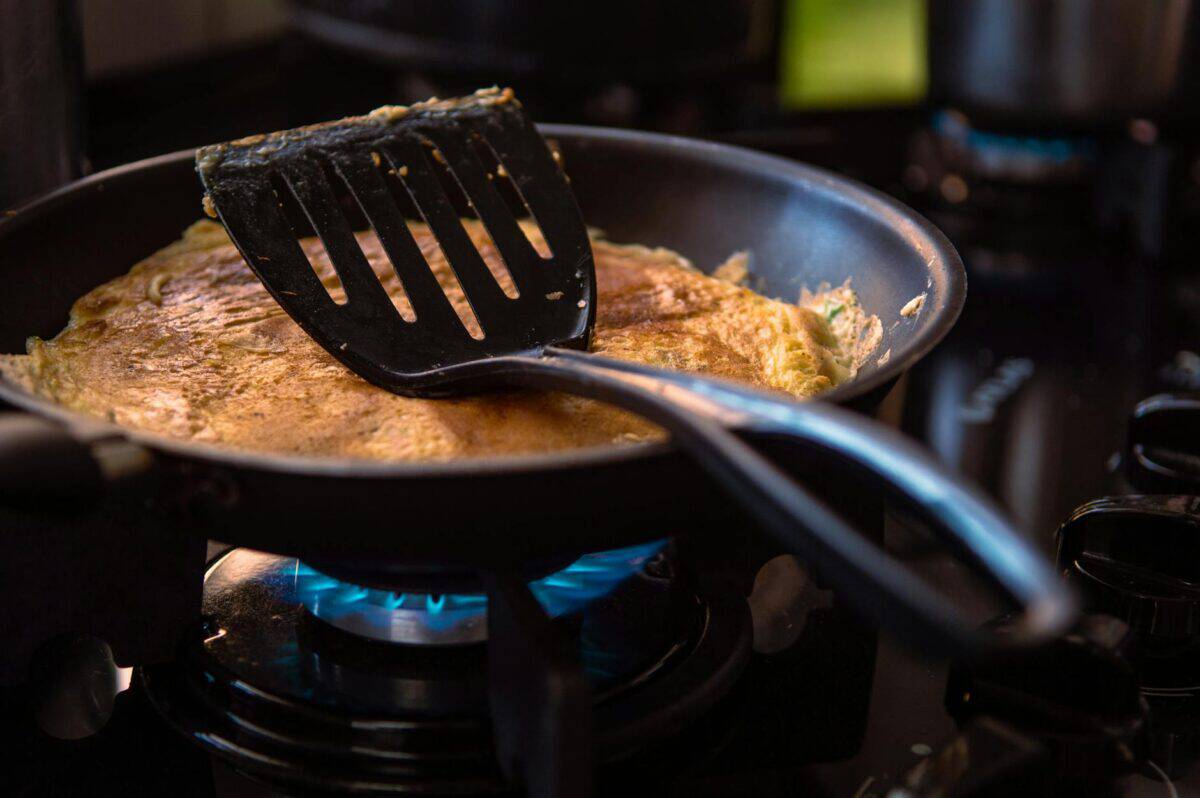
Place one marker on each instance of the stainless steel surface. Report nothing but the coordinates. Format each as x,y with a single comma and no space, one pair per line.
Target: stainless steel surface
40,77
1062,61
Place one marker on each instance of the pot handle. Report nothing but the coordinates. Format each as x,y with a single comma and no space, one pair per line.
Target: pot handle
1164,443
700,413
46,465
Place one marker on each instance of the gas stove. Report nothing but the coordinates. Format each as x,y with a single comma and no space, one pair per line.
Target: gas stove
294,681
678,669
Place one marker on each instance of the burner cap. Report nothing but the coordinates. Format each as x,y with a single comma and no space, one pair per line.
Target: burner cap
448,619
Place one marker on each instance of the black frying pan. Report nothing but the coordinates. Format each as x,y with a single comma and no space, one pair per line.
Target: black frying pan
802,225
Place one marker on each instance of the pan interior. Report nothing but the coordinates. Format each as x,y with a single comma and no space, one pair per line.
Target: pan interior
801,226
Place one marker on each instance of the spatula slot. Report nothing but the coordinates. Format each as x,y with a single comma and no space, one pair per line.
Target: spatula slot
379,191
392,175
395,171
312,246
456,192
463,206
473,279
453,185
504,236
500,178
313,181
368,238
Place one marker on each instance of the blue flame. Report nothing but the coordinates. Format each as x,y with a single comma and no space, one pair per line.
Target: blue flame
590,577
1058,150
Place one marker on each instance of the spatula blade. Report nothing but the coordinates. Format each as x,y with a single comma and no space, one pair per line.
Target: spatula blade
270,190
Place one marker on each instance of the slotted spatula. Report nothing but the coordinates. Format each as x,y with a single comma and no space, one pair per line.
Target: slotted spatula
539,340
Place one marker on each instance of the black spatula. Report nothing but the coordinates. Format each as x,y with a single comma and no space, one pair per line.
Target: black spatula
425,155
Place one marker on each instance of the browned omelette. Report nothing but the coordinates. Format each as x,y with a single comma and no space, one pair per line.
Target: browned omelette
189,344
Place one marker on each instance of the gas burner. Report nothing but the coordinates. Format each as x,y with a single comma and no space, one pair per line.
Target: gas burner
444,619
1043,182
296,678
1009,157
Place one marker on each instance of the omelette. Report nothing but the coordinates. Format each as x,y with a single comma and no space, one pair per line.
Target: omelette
188,344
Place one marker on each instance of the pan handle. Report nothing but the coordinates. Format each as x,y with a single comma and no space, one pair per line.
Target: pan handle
700,413
45,465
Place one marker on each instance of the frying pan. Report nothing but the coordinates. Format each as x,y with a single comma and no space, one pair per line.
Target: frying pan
389,522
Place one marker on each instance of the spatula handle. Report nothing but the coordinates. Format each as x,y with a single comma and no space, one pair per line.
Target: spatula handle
703,414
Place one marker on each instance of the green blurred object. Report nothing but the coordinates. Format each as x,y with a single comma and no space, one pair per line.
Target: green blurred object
844,53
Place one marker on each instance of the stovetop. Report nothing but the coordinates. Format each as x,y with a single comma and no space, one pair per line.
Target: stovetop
841,713
1079,306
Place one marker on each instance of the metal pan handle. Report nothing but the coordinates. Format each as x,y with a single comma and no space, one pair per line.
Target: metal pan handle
701,413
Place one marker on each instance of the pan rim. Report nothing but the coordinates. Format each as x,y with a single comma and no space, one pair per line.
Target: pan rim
942,261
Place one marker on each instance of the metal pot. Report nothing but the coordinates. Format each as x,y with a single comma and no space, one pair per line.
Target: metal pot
41,73
1062,63
621,39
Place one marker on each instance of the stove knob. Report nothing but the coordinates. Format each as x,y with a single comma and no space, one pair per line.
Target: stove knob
1162,454
1078,697
1138,558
